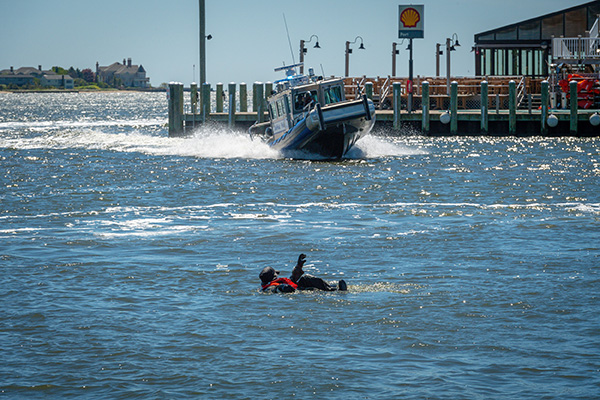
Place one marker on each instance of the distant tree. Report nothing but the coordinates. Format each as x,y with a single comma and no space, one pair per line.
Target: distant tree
88,75
60,71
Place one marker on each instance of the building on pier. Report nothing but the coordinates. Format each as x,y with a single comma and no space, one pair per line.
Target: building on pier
531,47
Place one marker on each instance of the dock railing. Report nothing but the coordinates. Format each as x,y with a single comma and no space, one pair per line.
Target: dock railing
576,49
469,91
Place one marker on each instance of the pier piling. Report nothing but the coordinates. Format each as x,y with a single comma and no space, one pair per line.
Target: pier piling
243,97
573,103
454,107
232,104
194,97
512,107
259,99
219,97
175,109
544,106
205,101
397,90
484,108
369,90
425,107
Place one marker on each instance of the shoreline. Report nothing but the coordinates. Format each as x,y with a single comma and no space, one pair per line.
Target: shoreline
21,91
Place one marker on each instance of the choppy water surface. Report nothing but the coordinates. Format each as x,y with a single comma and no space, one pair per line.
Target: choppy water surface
130,262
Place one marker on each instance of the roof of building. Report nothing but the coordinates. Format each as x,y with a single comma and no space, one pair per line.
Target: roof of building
569,22
56,76
118,68
29,70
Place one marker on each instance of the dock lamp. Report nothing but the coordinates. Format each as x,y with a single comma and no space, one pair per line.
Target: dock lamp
395,52
349,51
438,53
303,50
451,44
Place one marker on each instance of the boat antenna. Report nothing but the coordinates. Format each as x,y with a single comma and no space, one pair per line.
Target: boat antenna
289,41
322,71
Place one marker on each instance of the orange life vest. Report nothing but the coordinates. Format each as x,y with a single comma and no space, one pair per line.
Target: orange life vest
280,281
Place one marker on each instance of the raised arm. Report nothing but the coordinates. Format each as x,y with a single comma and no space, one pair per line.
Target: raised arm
297,272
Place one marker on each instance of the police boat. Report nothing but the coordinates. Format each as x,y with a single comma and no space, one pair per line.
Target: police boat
310,117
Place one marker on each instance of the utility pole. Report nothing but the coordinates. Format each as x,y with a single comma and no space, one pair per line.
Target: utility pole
202,41
438,53
302,50
394,53
409,83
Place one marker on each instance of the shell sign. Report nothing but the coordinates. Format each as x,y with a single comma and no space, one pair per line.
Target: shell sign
410,22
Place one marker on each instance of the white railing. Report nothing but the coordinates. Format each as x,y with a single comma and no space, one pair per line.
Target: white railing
576,48
521,91
594,33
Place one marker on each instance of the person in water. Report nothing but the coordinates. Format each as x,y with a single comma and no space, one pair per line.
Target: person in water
270,280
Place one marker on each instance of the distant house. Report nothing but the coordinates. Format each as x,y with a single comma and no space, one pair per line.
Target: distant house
18,80
125,74
59,81
28,75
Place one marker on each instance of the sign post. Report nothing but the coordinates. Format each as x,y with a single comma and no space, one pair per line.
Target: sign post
411,26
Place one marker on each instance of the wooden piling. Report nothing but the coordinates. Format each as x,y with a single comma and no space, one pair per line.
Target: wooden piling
425,107
205,104
573,103
243,97
512,107
544,113
194,97
397,91
268,89
259,106
219,97
175,109
369,90
484,108
254,96
232,104
454,107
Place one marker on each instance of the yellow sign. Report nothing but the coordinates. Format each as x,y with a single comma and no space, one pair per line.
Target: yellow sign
410,22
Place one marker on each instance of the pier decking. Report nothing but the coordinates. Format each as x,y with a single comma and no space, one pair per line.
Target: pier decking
495,107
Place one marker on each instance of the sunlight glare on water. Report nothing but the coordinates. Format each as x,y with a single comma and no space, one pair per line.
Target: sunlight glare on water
130,261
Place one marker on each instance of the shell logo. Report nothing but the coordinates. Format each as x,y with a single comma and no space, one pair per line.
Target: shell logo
410,18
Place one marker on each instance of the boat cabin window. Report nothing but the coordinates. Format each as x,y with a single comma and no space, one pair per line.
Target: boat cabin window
333,94
278,108
302,99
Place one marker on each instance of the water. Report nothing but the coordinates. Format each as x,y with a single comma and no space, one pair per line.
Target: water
130,262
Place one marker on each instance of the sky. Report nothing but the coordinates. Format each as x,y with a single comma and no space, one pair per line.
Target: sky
249,37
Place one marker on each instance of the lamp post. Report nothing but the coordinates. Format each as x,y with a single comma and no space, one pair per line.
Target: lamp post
203,38
451,43
438,53
303,51
395,52
409,83
349,51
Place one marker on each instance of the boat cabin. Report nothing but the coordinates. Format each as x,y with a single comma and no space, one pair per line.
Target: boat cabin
290,106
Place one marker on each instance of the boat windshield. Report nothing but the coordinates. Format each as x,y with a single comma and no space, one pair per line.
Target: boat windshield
333,94
302,99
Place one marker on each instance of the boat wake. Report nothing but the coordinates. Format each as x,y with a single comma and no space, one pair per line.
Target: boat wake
204,142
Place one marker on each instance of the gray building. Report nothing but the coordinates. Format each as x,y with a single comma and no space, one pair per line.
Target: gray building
126,74
28,75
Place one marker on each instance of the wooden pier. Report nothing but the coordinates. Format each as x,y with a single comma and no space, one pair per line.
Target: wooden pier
500,113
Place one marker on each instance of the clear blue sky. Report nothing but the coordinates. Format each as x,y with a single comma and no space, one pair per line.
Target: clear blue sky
249,37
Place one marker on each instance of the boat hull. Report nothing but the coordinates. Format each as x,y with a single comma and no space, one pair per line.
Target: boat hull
328,132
